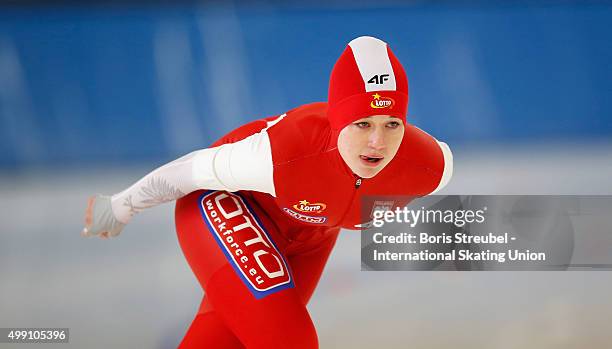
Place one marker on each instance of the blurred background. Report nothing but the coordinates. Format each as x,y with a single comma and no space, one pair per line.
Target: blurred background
94,96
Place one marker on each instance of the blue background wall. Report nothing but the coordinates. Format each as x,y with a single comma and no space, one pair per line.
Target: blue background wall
135,84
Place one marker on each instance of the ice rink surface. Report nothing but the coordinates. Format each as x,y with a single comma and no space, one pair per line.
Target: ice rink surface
137,291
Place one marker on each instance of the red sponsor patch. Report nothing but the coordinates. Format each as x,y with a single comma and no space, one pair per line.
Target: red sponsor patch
303,217
245,242
381,206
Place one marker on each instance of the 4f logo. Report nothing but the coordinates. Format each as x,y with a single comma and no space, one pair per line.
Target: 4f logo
379,79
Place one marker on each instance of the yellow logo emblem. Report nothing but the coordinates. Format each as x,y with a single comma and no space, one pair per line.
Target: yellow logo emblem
381,102
305,206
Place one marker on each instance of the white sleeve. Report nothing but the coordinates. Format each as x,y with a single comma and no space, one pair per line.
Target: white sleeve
448,166
243,165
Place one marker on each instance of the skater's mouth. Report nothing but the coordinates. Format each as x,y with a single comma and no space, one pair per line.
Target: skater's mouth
371,159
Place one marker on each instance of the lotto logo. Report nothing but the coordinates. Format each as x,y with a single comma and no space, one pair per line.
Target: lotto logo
246,243
305,206
380,102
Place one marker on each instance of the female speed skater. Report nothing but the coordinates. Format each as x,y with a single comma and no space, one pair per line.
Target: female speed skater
258,212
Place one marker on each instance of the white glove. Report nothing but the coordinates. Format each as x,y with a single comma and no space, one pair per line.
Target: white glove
99,218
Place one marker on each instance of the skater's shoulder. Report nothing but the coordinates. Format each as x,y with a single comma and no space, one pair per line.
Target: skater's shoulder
311,117
303,131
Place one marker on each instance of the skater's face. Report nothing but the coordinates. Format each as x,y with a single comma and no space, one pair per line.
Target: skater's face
367,145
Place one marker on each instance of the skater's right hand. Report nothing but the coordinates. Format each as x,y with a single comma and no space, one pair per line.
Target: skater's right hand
99,218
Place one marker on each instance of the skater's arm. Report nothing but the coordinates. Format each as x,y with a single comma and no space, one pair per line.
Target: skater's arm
243,165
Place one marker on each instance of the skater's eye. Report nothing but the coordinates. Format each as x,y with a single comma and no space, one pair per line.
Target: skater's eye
393,124
362,124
